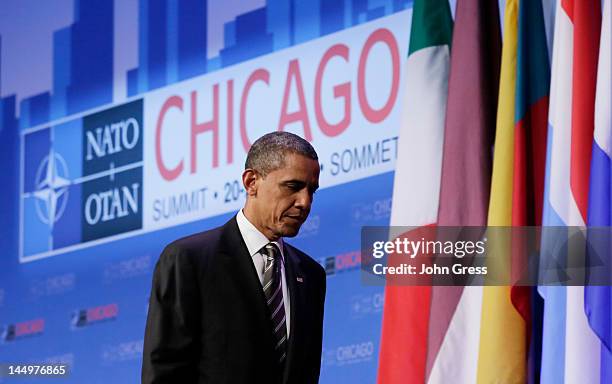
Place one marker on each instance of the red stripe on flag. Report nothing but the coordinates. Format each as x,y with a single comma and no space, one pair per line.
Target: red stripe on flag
587,25
568,7
405,325
527,194
403,347
529,165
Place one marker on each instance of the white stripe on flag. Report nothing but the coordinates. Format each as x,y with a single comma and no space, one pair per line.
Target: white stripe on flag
603,101
458,356
557,179
560,117
581,344
419,163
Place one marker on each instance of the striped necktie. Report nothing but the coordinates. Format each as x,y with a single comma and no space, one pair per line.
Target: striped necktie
274,295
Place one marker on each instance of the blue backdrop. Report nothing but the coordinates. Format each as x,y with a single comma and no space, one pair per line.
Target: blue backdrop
115,160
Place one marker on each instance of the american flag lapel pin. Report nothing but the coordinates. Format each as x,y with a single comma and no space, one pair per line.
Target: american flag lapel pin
299,279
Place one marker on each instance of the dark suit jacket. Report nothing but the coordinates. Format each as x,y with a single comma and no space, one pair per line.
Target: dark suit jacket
208,321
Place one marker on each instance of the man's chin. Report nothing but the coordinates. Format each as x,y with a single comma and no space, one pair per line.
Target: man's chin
290,231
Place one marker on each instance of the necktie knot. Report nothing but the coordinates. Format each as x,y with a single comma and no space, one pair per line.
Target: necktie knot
272,253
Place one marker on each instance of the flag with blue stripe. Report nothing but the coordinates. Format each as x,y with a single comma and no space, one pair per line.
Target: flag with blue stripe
598,299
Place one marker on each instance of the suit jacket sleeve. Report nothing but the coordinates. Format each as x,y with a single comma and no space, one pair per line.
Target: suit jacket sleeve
319,337
171,343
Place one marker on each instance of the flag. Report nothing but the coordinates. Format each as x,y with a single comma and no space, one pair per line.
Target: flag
568,343
403,348
598,299
502,329
516,186
455,312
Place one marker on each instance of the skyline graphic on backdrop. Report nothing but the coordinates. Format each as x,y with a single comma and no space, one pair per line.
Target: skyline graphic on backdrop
173,41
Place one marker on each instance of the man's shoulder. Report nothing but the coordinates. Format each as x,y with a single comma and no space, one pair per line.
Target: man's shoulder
196,245
196,241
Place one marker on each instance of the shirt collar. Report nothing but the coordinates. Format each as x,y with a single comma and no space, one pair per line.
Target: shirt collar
253,238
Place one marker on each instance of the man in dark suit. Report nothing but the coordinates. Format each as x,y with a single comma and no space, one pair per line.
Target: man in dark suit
236,304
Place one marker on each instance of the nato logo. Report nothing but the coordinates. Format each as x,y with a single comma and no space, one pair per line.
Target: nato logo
51,188
81,180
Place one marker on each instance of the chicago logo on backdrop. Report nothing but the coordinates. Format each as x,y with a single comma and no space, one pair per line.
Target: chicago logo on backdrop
52,285
368,212
366,304
124,351
81,180
310,227
12,332
349,354
125,269
342,262
88,316
65,358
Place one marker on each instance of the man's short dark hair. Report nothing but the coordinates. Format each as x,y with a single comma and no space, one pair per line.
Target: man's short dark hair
267,153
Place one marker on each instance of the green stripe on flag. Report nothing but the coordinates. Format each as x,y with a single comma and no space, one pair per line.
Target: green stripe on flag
432,24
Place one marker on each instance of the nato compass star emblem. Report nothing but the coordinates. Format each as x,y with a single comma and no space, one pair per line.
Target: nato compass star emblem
51,188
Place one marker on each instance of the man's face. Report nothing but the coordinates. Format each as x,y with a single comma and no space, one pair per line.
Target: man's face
280,202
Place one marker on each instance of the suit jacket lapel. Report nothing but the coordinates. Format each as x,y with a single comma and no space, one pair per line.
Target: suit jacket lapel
296,294
241,269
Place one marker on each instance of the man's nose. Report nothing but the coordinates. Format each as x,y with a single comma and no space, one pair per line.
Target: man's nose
304,199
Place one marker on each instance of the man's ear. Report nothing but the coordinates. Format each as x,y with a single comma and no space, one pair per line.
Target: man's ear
249,180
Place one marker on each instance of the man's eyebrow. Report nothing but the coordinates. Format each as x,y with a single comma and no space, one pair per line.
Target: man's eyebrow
301,183
294,181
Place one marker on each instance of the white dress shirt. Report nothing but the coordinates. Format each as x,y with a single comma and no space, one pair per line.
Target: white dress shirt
255,241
